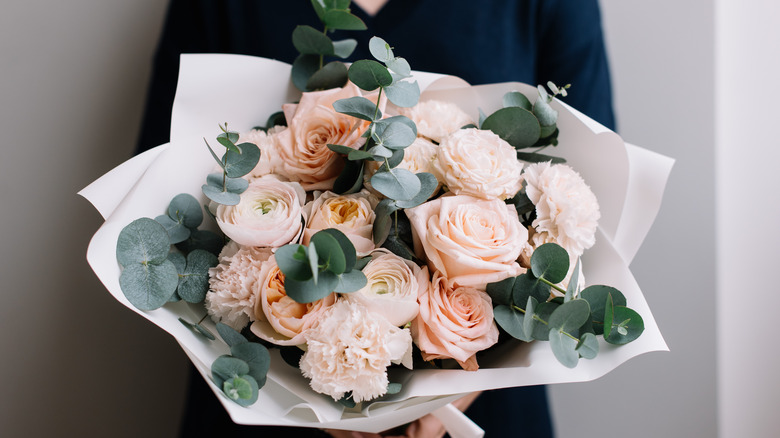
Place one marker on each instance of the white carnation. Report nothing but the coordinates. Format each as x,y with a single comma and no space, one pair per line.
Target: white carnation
350,349
234,283
567,211
436,119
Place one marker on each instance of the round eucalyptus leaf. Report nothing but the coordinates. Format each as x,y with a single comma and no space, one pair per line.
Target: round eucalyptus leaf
340,149
588,347
149,286
551,262
396,135
240,164
380,49
203,239
343,49
398,184
351,178
308,292
232,185
309,41
541,331
564,348
570,316
369,75
571,289
179,261
428,184
351,281
362,262
501,291
204,331
596,296
314,261
330,252
527,286
332,75
358,154
256,356
533,157
405,94
230,335
382,220
142,241
303,68
518,126
397,246
530,323
226,367
382,124
511,321
400,67
244,390
276,119
359,107
194,282
220,197
347,247
185,209
177,232
545,113
394,388
293,261
516,98
337,19
378,153
627,325
547,131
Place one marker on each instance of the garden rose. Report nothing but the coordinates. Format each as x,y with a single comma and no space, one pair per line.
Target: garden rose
470,241
281,320
393,284
270,214
478,163
232,283
313,124
350,349
352,214
436,119
454,322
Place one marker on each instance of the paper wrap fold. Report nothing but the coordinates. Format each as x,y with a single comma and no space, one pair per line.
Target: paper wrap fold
628,181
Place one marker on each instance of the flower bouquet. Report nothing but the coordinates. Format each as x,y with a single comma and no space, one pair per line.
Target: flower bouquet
391,241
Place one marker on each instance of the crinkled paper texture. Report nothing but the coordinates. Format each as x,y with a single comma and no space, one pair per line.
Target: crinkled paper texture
629,182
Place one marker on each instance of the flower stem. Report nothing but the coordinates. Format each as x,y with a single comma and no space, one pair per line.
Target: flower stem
554,286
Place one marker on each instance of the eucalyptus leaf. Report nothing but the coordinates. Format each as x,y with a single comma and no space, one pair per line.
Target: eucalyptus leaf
397,246
351,281
405,94
516,98
358,154
177,232
518,126
314,260
237,165
551,262
588,346
396,135
627,325
545,113
382,219
341,149
204,332
241,389
142,241
398,184
149,286
529,323
533,157
351,178
343,49
347,247
225,140
380,49
291,267
332,75
276,119
329,250
219,196
547,131
308,292
309,41
358,106
527,286
564,348
342,20
184,208
230,335
232,185
511,321
571,289
303,68
400,67
382,124
203,239
501,291
596,296
428,185
362,262
543,311
369,74
256,356
378,153
570,316
394,388
194,282
226,367
178,260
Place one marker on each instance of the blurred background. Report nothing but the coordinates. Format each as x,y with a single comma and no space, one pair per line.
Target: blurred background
694,80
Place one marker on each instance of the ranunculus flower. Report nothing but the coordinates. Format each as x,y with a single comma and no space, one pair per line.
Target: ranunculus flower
352,214
454,322
418,157
567,211
471,241
269,155
392,287
232,284
313,124
350,350
269,214
281,320
478,163
436,119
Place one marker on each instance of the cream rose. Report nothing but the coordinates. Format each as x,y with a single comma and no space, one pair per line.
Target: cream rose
269,214
436,119
454,322
393,284
478,163
350,349
232,284
281,320
470,241
352,214
313,124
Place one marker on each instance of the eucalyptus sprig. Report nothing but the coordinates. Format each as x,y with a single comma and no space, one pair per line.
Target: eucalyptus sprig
571,324
238,160
243,372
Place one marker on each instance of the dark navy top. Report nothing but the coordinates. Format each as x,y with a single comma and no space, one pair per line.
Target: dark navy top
531,41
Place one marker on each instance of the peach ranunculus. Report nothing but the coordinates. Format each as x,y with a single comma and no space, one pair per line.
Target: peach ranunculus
471,241
454,322
436,119
478,163
313,124
269,214
352,214
392,287
279,319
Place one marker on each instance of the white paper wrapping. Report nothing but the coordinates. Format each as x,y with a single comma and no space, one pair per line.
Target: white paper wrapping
243,91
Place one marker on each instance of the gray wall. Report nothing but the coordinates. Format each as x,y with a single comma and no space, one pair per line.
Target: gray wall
77,363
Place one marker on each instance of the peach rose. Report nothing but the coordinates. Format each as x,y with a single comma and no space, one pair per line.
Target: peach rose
478,163
436,119
313,124
352,214
269,214
454,322
281,320
470,241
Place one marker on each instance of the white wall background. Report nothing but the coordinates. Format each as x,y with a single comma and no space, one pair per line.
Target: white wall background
76,363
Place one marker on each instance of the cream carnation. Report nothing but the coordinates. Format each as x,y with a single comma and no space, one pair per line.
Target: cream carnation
350,350
269,214
478,163
436,119
393,284
280,319
454,322
352,214
232,284
567,211
266,142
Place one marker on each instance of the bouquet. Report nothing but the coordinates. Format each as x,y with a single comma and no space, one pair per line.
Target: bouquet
372,252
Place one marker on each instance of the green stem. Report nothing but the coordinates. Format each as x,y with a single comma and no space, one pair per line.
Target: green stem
554,286
322,57
378,98
396,223
201,320
536,318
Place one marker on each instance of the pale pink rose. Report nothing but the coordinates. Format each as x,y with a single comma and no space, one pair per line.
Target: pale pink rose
454,322
352,214
313,124
281,320
266,142
269,214
233,284
350,349
393,284
471,241
418,157
567,211
478,163
436,119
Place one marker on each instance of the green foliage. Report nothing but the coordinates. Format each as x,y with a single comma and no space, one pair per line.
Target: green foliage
398,184
511,321
621,324
403,93
303,68
309,41
332,75
230,335
564,348
571,290
256,356
396,135
518,99
198,328
177,232
142,241
501,291
369,74
203,239
517,126
534,157
428,184
526,285
588,346
242,373
570,315
148,286
394,388
194,281
596,296
351,178
551,262
383,220
358,107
